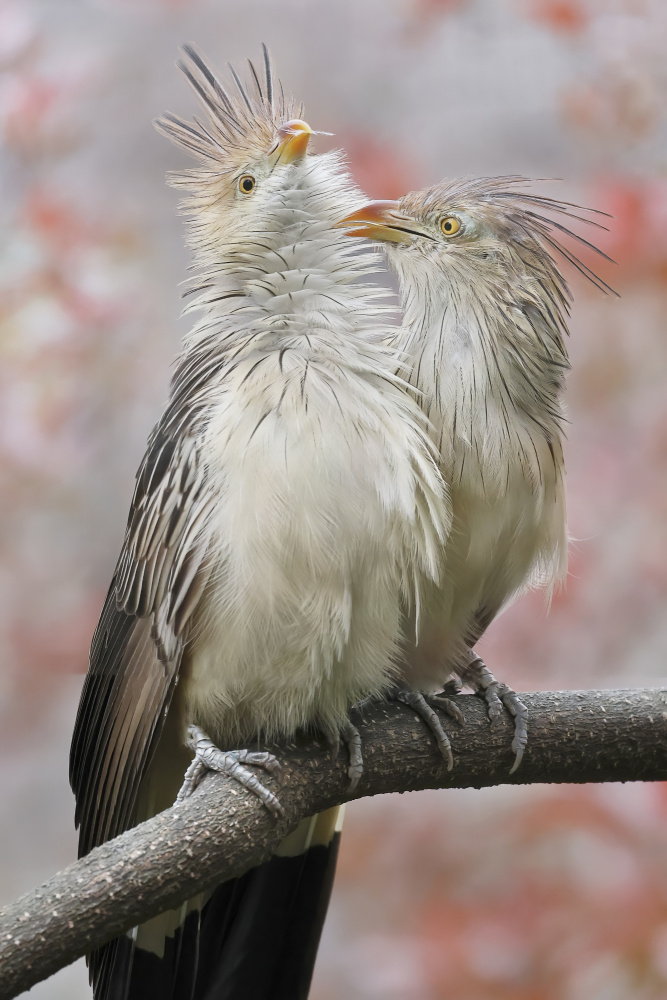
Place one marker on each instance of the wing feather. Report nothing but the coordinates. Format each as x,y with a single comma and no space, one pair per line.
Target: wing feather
136,651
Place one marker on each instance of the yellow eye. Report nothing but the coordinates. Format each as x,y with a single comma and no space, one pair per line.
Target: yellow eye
450,226
246,183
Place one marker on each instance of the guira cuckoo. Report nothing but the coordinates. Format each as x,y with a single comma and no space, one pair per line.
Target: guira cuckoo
287,507
485,319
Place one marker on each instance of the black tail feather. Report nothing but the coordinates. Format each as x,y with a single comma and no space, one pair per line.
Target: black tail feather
273,928
304,928
256,938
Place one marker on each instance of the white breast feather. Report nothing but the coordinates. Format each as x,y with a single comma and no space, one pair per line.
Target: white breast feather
506,484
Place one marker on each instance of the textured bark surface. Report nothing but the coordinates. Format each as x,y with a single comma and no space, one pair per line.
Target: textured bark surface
574,736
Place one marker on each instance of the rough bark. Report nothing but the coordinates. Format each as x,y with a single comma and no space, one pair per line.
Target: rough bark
575,736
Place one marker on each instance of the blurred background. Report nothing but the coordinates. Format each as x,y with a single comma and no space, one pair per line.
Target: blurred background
531,893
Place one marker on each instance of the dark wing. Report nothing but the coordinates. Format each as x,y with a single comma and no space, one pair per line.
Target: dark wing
137,647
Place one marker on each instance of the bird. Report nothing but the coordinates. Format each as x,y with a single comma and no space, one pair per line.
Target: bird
287,508
485,306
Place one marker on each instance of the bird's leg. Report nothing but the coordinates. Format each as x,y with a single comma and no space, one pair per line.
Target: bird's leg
423,704
477,675
231,762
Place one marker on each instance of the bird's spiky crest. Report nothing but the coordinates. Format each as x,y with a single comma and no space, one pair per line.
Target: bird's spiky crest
239,125
523,210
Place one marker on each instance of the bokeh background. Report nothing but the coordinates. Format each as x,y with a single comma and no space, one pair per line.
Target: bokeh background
505,894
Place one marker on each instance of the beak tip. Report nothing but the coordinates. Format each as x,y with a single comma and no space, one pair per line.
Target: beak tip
293,138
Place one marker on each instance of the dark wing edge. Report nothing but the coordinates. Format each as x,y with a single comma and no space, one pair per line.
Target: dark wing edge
136,652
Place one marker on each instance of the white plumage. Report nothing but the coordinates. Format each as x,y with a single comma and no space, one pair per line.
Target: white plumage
484,338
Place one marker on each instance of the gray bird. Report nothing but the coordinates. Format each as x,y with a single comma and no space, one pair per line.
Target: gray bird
287,507
485,319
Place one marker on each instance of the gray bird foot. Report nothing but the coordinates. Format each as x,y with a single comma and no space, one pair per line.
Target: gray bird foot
496,695
351,737
423,704
231,762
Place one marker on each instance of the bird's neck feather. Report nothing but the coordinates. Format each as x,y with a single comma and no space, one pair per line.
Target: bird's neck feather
472,349
296,283
290,293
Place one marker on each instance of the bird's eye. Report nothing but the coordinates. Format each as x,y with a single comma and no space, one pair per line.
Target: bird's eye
246,183
450,226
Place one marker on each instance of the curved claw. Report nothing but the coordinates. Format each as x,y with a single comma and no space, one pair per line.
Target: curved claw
262,759
519,711
497,696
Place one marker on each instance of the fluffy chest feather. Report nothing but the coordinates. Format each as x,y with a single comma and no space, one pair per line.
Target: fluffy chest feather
313,543
501,457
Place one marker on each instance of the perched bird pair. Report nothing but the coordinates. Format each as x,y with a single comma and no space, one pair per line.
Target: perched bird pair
308,530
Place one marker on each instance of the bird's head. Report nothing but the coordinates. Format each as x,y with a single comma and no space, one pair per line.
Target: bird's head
486,234
246,144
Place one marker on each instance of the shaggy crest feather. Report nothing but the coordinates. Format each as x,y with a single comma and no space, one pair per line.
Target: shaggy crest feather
237,125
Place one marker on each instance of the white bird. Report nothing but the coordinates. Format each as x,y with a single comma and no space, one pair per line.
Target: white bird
287,507
485,318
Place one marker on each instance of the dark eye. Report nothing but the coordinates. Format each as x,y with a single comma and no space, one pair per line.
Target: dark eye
246,184
450,226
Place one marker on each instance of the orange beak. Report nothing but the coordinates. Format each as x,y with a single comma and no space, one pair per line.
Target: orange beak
380,220
293,138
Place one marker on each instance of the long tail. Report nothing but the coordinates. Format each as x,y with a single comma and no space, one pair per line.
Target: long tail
253,938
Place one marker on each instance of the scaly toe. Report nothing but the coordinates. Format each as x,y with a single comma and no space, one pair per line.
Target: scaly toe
352,739
418,703
448,706
499,696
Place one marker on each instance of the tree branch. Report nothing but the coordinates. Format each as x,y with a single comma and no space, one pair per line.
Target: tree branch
575,736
